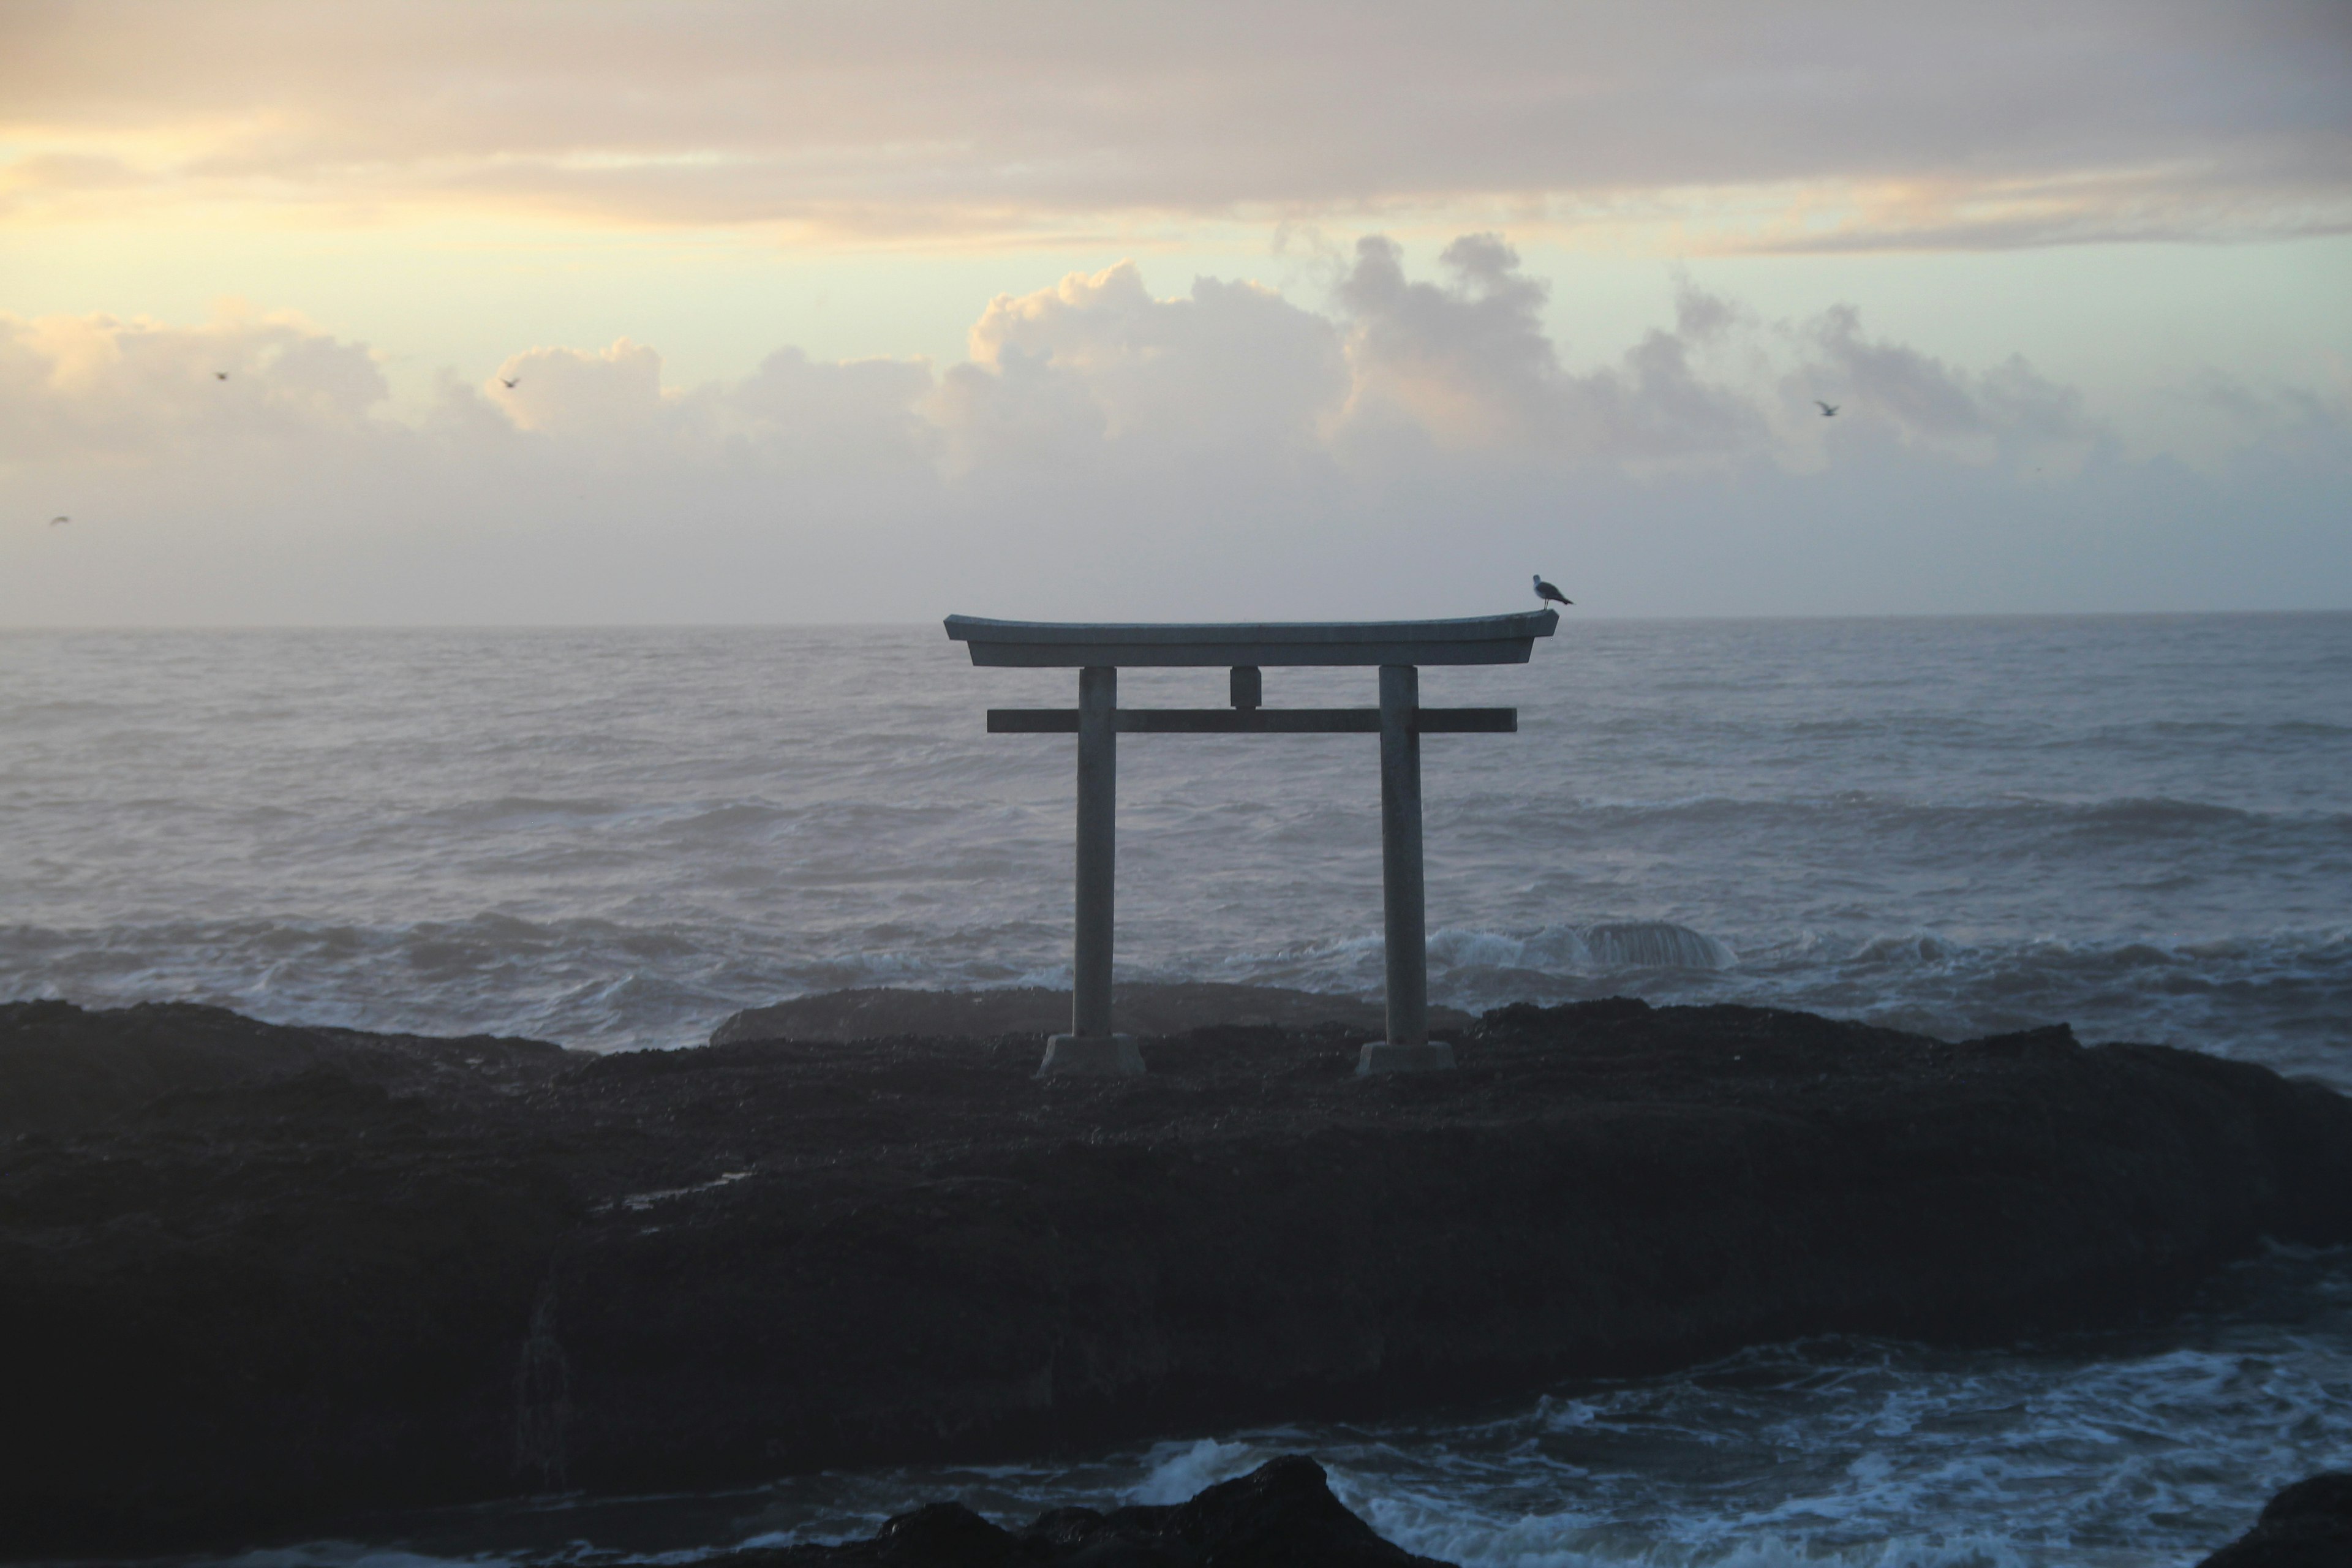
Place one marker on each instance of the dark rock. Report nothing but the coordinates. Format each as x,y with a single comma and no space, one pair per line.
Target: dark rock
1281,1512
62,1075
880,1012
945,1535
276,1274
2308,1525
1280,1515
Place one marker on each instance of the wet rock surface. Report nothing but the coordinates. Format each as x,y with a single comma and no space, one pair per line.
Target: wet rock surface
270,1275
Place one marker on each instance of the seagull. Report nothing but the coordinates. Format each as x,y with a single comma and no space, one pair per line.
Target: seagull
1545,590
510,385
1829,410
220,375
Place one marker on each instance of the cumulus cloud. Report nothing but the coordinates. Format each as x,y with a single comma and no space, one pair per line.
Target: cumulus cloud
1408,445
1467,360
98,388
1809,124
1231,363
567,392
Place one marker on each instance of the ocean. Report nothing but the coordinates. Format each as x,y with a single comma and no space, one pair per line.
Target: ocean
2141,826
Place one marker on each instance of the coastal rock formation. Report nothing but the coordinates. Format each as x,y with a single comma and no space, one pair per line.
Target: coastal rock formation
2308,1525
260,1276
1280,1515
1143,1008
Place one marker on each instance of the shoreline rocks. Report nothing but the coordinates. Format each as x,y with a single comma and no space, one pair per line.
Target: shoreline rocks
278,1275
2306,1525
1280,1515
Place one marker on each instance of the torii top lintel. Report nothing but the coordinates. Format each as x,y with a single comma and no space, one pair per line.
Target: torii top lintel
1473,640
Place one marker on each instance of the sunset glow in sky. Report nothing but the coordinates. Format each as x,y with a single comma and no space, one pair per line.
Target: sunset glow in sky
837,311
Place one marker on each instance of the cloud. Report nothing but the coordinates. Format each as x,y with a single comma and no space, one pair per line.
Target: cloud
1466,361
1231,363
97,388
1811,124
1415,445
2011,407
563,392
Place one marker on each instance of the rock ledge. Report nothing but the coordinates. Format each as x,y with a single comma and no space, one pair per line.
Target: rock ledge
263,1275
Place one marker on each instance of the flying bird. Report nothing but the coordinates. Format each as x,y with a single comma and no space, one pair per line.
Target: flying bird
1546,592
510,385
61,518
220,375
1829,410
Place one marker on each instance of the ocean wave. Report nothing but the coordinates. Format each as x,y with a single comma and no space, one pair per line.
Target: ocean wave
2204,729
2128,816
1655,944
1876,1452
2282,997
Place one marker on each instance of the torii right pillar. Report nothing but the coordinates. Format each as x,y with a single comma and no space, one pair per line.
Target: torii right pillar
1403,902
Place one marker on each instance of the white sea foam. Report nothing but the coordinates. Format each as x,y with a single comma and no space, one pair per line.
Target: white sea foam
1177,1471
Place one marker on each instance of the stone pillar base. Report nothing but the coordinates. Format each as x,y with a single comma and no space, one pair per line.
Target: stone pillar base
1380,1056
1092,1055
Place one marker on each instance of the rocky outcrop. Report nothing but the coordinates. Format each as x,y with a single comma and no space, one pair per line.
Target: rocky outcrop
1138,1008
2308,1525
258,1276
1280,1515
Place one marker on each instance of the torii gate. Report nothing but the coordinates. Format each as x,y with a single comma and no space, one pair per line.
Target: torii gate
1398,647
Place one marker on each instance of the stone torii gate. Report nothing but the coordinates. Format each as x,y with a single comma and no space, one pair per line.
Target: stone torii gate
1398,647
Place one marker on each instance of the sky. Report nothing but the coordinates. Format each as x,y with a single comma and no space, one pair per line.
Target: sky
588,312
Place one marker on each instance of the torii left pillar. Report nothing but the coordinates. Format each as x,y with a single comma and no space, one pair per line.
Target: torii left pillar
1090,1046
1405,919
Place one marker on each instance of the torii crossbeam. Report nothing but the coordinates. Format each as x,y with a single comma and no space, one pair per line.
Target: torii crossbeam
1398,647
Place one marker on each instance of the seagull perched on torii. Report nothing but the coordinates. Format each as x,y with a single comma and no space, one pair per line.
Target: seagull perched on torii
1547,593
